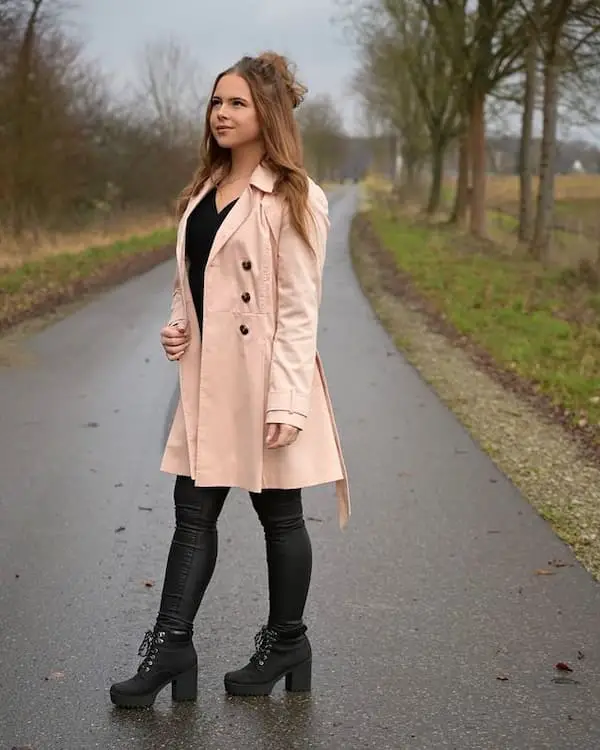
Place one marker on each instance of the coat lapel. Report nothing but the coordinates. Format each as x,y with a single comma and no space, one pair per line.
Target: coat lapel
234,219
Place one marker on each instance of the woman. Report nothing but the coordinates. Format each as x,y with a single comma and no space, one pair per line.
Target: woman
254,411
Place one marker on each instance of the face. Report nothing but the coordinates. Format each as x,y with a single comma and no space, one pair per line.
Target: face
233,116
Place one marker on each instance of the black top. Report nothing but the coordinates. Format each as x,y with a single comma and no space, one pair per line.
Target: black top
202,226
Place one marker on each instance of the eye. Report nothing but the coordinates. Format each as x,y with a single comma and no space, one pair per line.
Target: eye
238,103
215,101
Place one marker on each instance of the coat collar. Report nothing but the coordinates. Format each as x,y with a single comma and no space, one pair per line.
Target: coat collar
263,178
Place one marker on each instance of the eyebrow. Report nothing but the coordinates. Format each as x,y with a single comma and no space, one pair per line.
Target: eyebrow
241,98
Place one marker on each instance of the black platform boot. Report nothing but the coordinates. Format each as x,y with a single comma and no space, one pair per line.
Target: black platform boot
277,655
170,657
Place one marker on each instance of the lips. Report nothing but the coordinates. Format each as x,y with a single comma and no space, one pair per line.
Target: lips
222,129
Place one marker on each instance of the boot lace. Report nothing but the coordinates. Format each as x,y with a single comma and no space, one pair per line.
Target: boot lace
263,642
149,648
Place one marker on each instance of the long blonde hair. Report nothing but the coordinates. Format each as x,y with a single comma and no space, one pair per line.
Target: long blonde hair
275,93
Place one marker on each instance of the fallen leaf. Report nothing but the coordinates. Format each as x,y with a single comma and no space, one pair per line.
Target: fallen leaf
119,484
544,572
149,584
502,677
563,666
314,518
580,655
120,528
91,424
143,507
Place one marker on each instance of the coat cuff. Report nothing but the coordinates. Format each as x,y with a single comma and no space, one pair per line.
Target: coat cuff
286,417
290,401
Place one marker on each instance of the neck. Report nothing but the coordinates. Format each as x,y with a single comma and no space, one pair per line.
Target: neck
244,160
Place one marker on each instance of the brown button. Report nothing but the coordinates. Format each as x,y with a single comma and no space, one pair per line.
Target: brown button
244,329
246,265
246,297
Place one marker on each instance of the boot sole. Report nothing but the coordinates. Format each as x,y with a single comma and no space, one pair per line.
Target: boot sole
184,687
297,680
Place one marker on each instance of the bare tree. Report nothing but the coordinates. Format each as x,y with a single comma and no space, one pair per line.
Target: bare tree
170,91
526,205
484,47
323,137
567,29
431,75
384,84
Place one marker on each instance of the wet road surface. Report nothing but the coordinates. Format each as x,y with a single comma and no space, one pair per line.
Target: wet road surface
415,612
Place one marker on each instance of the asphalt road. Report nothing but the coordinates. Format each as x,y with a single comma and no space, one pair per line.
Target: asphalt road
415,612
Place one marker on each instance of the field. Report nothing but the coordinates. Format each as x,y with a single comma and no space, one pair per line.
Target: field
576,234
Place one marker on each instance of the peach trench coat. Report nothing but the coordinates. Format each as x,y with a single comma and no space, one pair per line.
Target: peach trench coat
257,358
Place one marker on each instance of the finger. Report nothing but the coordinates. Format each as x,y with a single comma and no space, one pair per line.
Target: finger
272,434
172,334
174,350
282,441
176,344
178,355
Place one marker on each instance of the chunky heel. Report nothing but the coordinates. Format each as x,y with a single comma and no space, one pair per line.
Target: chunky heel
299,679
185,687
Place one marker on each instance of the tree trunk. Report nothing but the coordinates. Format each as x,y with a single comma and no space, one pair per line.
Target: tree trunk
477,143
525,156
21,178
409,168
437,174
461,199
540,244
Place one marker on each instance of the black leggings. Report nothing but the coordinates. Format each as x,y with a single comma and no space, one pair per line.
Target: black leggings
193,554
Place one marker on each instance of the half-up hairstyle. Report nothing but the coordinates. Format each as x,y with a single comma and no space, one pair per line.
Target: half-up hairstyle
276,94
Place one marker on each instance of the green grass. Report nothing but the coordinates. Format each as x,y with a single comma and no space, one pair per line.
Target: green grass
514,308
28,285
63,268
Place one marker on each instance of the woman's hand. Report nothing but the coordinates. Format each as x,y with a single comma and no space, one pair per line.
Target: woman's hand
175,339
280,435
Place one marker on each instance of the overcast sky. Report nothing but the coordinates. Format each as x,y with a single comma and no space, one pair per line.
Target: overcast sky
218,32
221,31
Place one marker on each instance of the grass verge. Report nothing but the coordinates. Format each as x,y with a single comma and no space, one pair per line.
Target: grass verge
534,322
40,286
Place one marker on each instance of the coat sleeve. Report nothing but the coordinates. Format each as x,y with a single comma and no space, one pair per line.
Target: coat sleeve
177,310
299,280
